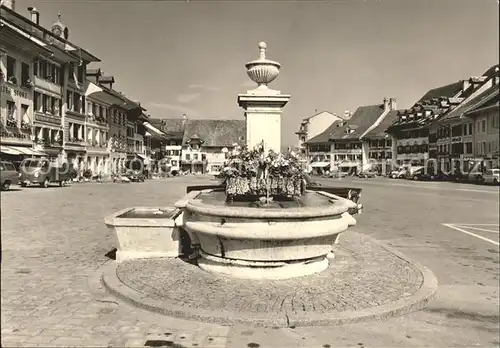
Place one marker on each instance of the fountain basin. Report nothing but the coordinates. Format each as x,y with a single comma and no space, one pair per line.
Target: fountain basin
288,239
144,232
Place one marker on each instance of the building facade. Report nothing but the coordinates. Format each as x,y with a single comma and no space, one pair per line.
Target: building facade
18,51
314,125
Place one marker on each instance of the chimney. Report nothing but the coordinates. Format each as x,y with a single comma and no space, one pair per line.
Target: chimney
496,77
465,85
184,119
347,114
386,104
10,4
35,15
392,103
106,81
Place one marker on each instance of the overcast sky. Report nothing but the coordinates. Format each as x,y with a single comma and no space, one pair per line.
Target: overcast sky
189,57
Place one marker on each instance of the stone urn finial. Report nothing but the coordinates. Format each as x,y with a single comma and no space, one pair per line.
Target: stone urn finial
263,71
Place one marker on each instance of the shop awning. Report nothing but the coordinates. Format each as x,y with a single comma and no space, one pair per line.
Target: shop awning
141,156
348,165
9,151
27,151
320,164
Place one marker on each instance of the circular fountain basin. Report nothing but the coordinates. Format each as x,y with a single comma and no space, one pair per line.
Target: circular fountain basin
290,237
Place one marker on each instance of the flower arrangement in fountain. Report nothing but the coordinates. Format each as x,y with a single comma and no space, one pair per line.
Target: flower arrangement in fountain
258,172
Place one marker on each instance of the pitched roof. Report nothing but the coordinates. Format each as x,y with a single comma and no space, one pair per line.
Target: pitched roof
172,127
490,72
216,132
324,137
380,130
488,98
475,102
447,91
321,112
360,121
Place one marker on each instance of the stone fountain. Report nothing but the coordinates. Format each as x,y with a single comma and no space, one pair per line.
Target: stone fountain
289,238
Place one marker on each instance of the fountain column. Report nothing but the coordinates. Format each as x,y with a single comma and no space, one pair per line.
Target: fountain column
263,106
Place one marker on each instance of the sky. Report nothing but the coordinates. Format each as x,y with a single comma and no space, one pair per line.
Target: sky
189,57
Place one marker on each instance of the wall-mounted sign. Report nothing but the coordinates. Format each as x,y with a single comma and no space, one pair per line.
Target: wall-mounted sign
14,92
48,119
456,139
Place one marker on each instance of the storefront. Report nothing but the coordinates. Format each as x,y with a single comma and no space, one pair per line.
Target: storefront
319,168
16,154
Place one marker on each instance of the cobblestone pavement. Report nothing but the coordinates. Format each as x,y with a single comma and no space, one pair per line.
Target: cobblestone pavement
363,275
54,240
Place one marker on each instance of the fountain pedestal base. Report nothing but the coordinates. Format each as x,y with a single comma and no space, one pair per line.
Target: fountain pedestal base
261,269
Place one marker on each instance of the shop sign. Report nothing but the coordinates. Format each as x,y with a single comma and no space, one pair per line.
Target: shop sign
456,139
48,119
14,92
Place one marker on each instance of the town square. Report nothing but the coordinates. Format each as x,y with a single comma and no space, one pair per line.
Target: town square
145,209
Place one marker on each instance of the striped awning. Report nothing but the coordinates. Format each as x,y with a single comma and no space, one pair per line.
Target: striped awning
20,151
320,164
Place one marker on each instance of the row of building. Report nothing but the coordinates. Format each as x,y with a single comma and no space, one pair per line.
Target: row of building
451,127
53,105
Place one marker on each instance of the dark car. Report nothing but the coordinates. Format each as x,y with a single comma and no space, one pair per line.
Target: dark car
135,176
368,174
8,175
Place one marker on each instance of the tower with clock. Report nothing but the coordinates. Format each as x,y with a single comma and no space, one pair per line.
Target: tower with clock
59,29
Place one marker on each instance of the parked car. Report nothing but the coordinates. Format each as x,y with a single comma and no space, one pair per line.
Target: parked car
337,174
399,173
492,176
368,174
135,176
43,172
8,175
475,176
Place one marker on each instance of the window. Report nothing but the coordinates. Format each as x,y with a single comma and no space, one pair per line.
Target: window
25,72
36,62
36,101
188,157
69,100
11,110
195,157
42,66
80,73
483,126
46,103
494,120
71,72
61,75
76,102
11,70
24,111
174,163
55,106
456,131
470,128
468,148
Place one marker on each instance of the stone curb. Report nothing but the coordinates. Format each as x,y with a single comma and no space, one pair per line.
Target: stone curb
417,301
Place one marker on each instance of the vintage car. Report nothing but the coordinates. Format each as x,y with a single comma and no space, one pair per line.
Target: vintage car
8,175
368,174
492,176
43,172
135,176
